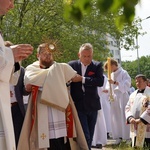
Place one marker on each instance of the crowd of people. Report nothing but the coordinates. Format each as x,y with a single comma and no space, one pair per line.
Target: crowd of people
71,106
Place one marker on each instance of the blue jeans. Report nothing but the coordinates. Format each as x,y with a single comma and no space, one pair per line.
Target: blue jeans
88,121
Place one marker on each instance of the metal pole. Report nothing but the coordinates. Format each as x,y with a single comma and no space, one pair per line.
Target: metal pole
138,60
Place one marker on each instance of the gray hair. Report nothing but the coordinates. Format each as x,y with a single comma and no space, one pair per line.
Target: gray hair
86,46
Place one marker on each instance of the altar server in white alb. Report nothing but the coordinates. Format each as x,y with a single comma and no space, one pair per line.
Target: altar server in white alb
103,124
120,83
49,124
138,113
105,102
8,65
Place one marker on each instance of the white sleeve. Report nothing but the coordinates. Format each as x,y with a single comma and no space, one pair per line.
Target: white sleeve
146,115
128,112
14,77
6,62
125,83
69,72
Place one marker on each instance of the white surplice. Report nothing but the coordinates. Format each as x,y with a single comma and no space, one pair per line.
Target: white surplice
7,140
100,132
105,104
120,94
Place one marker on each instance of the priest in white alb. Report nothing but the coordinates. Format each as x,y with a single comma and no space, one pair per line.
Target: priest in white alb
138,113
51,120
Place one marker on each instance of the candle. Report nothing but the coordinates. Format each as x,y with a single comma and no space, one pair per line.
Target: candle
108,68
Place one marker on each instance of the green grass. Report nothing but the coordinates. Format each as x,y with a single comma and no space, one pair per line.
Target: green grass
124,146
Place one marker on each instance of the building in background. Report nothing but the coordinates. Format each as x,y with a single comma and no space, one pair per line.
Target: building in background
113,46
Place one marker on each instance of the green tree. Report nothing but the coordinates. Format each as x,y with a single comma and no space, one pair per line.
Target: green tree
34,21
77,9
132,67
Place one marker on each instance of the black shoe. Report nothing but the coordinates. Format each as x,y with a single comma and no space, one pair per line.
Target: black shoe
99,146
108,136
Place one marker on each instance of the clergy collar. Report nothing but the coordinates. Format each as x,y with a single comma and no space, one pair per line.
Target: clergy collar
141,91
43,67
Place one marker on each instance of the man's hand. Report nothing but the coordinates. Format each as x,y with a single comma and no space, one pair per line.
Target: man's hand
111,81
137,121
77,78
105,91
21,51
132,120
28,87
11,94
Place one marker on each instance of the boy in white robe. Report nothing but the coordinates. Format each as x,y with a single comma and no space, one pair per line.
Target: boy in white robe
105,102
120,83
103,124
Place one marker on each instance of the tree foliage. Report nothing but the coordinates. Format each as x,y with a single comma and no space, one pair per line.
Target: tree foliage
78,9
132,67
35,21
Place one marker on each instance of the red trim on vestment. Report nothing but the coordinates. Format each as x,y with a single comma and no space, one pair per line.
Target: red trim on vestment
69,121
34,97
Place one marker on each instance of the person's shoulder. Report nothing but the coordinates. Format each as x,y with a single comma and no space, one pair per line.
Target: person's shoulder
73,62
147,90
132,88
34,64
62,64
97,63
132,95
124,71
22,68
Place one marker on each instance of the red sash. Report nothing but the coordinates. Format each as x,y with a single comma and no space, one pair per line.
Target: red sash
69,115
34,97
69,121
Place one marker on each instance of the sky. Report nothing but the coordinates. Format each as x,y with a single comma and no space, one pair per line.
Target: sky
142,11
